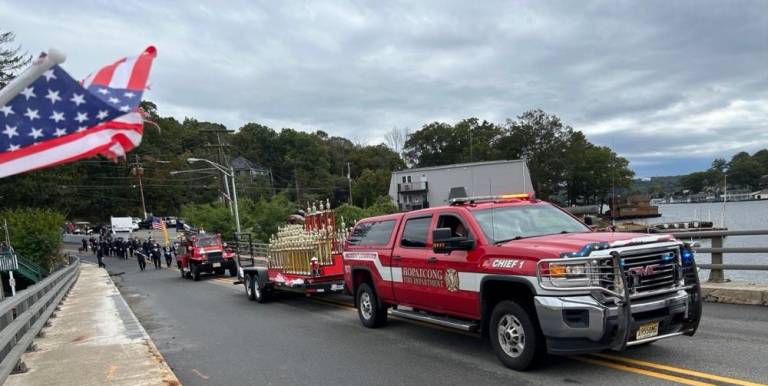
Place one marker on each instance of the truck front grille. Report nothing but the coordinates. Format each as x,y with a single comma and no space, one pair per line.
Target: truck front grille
649,271
214,256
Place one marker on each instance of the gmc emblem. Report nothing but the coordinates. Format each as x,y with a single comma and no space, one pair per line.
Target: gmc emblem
644,271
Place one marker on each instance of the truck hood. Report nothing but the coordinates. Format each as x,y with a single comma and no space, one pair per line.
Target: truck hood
551,246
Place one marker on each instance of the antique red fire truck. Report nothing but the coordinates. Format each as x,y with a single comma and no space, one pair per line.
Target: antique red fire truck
204,252
302,258
526,274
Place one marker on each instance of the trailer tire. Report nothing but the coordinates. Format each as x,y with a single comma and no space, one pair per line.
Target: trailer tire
515,337
249,287
369,308
196,273
259,292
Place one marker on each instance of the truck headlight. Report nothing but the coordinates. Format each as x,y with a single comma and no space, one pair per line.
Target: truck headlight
570,274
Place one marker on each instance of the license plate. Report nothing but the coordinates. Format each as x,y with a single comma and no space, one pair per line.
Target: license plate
648,330
337,287
216,265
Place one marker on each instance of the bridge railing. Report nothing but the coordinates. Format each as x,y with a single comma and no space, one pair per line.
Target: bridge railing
24,315
717,249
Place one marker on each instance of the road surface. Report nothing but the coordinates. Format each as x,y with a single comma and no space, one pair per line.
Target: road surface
211,334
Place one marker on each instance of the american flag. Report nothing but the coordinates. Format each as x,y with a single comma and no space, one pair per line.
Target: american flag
57,119
157,223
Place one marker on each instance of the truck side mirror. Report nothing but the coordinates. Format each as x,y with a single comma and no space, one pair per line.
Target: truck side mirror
444,242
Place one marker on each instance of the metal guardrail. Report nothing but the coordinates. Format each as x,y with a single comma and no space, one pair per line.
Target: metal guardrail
24,315
717,250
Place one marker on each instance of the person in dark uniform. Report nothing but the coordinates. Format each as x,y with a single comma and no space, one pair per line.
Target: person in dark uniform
130,246
85,245
156,256
100,256
168,256
142,259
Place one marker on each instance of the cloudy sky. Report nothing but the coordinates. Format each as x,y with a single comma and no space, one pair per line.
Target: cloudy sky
669,85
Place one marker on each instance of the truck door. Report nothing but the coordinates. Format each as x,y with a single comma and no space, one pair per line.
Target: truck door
421,277
454,298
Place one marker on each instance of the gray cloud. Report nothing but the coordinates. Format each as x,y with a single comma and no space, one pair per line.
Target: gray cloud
669,85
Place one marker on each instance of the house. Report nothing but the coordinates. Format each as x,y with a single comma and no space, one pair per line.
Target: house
242,165
760,195
419,188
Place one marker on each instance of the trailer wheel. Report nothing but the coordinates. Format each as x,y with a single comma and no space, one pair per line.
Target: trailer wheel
196,272
259,292
249,287
369,308
515,337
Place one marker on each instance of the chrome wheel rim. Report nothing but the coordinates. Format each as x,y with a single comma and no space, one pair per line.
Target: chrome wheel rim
248,286
256,289
366,309
511,335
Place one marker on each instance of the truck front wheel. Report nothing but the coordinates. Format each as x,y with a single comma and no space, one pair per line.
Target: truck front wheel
369,308
515,337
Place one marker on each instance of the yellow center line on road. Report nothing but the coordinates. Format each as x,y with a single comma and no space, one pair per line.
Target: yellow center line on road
636,370
679,370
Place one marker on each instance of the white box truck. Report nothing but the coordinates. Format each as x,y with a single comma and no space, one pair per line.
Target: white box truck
122,224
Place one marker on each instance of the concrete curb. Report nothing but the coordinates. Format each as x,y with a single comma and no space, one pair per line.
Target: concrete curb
735,293
171,380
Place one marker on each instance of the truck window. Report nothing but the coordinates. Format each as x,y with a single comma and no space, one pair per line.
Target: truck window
516,222
415,232
458,227
372,233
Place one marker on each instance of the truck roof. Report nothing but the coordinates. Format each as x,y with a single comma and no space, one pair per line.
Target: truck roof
469,204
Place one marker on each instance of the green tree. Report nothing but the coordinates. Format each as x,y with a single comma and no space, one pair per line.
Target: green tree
35,233
370,185
11,58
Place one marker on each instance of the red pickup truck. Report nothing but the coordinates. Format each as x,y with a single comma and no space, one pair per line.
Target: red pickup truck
526,274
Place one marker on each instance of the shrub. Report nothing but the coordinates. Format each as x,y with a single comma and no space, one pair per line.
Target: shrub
35,233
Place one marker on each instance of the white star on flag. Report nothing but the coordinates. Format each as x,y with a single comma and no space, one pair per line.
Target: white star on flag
31,114
10,131
81,128
60,132
125,108
113,100
13,147
57,116
102,114
29,92
7,110
103,91
77,99
49,75
81,117
36,133
129,94
53,96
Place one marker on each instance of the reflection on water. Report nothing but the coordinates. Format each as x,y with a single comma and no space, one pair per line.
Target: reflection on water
738,216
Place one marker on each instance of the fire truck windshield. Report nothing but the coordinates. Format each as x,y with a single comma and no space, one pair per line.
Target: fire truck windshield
206,241
502,224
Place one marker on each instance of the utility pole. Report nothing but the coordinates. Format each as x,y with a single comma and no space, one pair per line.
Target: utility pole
349,179
137,170
222,158
271,182
296,178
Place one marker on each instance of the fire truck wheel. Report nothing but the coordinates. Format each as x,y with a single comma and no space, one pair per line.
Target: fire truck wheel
515,337
196,273
371,312
249,287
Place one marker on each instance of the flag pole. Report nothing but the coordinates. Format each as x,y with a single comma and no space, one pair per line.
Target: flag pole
38,67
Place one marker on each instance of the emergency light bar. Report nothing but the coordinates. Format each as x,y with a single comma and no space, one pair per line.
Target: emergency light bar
497,197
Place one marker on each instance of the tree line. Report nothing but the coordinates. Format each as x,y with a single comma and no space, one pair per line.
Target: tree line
743,171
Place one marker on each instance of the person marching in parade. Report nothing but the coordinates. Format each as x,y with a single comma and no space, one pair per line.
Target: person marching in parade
156,256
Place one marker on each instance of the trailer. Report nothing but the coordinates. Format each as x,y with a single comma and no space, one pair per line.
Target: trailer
303,258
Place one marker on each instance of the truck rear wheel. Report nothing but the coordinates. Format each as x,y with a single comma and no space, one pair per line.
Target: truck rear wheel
195,272
369,308
515,337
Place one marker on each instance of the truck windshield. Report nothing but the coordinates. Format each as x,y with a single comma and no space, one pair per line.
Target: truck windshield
518,222
206,241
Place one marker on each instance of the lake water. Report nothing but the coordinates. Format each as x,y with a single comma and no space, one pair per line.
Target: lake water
738,216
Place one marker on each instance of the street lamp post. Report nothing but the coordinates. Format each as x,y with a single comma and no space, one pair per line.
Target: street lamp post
228,173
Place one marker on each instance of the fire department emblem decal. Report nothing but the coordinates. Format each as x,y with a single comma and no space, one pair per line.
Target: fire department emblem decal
452,279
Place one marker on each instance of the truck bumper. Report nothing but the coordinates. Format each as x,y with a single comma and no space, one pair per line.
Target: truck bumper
208,266
579,324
